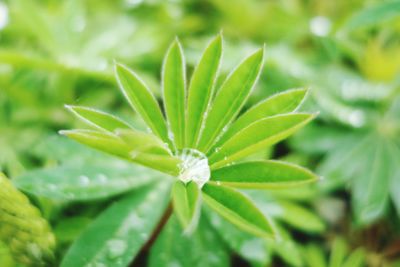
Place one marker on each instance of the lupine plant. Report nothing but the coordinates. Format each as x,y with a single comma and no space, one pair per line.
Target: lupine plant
201,144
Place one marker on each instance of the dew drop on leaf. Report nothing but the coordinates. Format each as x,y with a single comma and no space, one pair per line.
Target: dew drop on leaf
116,248
194,167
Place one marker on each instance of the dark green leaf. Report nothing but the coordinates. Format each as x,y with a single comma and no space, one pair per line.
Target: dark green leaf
118,234
86,182
202,248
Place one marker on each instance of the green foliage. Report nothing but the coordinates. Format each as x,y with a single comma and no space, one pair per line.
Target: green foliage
186,198
116,236
346,53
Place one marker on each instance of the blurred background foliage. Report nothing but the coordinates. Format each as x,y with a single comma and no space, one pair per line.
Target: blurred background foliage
347,52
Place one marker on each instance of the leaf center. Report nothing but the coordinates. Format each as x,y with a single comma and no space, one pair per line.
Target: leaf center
194,167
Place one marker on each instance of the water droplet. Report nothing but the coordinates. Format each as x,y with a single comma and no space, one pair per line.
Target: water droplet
84,180
116,248
101,178
194,167
174,264
51,187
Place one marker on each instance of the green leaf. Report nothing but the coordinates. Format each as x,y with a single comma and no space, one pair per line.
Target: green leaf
238,209
102,141
142,101
174,82
314,256
258,136
356,259
262,174
370,189
247,246
98,119
230,99
201,89
114,145
284,102
86,182
339,250
291,212
202,248
373,15
187,203
395,178
141,142
118,234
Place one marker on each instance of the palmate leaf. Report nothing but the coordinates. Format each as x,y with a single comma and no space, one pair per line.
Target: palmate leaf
186,199
202,133
262,175
174,92
142,101
230,98
201,89
118,234
257,136
237,209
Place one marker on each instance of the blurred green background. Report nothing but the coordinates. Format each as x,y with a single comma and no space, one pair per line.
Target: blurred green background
347,52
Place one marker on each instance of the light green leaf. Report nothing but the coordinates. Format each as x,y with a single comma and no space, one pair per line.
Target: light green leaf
173,84
86,182
187,203
314,256
142,101
102,141
164,163
281,103
339,250
118,234
202,248
356,259
114,145
230,99
141,142
370,188
373,15
262,174
258,136
98,119
201,89
291,213
238,209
